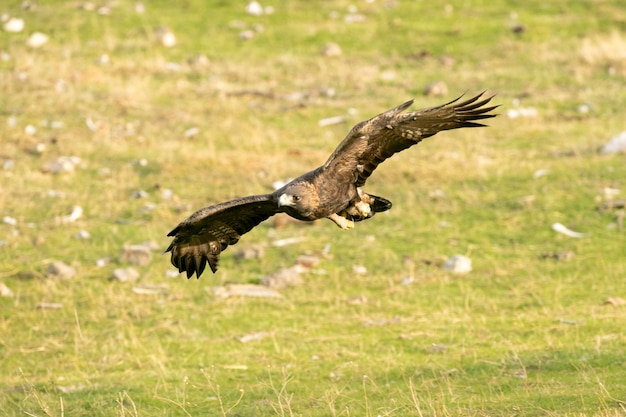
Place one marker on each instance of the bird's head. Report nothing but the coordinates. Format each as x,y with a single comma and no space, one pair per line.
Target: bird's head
297,200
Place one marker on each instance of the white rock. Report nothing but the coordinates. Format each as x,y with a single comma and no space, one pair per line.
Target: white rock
124,275
245,290
62,164
459,264
136,255
77,212
558,227
14,25
617,144
102,262
60,270
246,34
254,8
191,132
167,194
251,337
9,220
359,269
436,89
37,40
166,37
328,121
5,291
521,112
284,277
82,235
332,49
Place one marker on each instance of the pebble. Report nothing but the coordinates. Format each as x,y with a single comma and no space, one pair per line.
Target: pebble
60,270
5,291
77,213
558,227
61,164
9,220
436,89
458,264
332,49
124,275
284,277
617,144
139,255
37,40
166,37
250,252
245,290
14,25
254,8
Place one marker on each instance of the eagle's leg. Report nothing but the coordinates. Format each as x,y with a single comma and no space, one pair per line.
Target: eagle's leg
341,221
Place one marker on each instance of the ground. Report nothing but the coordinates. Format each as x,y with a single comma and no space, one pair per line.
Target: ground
139,129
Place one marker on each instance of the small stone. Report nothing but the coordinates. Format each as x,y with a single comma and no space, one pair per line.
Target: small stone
617,144
246,34
308,261
60,270
140,194
521,112
167,194
37,40
191,132
14,25
9,220
251,337
332,49
246,290
436,89
250,252
102,262
359,269
284,277
615,301
560,228
254,8
151,289
458,264
61,164
358,299
82,235
124,275
166,37
5,291
136,255
49,306
77,212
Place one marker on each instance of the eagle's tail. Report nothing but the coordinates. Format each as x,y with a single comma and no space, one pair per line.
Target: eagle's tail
366,207
379,204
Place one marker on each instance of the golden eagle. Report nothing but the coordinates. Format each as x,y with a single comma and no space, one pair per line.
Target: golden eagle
331,191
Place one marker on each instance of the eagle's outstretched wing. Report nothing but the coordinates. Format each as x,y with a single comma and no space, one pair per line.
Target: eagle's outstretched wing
201,237
370,142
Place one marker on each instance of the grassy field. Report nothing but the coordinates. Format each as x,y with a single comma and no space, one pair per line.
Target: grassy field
538,328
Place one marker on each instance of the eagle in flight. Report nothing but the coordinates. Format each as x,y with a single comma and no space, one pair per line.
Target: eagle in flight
331,191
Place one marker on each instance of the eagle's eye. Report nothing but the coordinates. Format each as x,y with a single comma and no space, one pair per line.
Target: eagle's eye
296,198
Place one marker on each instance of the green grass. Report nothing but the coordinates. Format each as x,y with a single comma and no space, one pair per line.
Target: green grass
520,335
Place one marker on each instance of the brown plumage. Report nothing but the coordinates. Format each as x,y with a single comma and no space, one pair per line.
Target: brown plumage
331,191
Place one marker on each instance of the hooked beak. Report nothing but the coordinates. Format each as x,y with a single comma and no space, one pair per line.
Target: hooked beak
285,200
